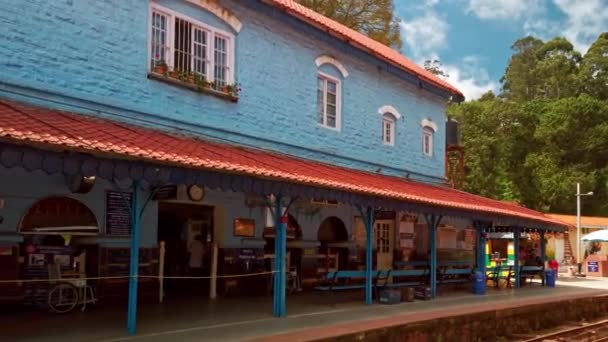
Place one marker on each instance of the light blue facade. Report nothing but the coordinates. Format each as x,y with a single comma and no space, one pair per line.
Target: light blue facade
91,57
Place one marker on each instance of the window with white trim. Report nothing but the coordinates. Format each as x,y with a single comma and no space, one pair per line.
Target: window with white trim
388,129
427,141
328,101
190,46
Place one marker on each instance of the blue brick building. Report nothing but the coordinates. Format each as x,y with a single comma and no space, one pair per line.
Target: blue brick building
255,75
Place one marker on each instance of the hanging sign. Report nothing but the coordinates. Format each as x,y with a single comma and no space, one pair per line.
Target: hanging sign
118,213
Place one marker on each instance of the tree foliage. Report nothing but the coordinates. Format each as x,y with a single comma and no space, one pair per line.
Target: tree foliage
375,18
546,131
436,68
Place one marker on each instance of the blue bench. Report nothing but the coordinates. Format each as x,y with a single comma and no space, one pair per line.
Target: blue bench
343,280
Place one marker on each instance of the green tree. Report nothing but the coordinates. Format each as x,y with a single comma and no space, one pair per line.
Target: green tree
519,82
594,68
556,69
547,131
375,18
496,134
435,67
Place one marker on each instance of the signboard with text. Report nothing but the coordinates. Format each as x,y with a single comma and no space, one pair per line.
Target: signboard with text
118,213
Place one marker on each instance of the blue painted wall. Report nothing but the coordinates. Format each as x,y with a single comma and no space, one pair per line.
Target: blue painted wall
91,56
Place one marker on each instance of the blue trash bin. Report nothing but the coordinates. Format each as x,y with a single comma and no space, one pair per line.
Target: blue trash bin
479,283
550,278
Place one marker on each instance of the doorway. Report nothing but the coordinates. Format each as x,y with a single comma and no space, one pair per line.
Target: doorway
384,232
187,230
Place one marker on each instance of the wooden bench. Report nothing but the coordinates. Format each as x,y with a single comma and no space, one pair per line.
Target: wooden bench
529,272
341,280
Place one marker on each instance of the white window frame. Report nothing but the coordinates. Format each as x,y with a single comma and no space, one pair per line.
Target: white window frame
427,133
390,120
211,33
338,83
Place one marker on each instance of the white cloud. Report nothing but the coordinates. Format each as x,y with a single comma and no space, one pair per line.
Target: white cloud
470,78
503,9
585,21
425,35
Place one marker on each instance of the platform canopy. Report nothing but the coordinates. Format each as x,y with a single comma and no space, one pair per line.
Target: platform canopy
56,141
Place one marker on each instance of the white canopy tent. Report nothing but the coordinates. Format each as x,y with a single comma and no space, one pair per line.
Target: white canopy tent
597,236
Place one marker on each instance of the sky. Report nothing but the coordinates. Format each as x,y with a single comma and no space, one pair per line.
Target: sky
473,38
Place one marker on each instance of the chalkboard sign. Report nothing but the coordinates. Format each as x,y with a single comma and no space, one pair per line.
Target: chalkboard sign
118,213
593,266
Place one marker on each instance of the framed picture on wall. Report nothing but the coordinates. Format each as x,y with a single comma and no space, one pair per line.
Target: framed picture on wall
244,227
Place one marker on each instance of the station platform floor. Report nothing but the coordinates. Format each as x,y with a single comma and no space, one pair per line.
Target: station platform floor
310,315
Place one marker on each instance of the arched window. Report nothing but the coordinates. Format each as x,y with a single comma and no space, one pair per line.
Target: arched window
388,129
389,121
328,101
427,141
329,91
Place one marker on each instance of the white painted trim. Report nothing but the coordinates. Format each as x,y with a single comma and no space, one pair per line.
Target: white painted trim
325,59
220,12
389,109
338,102
430,124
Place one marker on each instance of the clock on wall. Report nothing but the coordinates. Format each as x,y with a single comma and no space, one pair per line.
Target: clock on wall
196,192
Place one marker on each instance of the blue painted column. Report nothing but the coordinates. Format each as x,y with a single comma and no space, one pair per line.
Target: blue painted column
280,254
516,238
369,230
433,222
134,261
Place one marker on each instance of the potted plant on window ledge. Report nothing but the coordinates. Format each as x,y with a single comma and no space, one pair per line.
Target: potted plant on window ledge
160,67
232,89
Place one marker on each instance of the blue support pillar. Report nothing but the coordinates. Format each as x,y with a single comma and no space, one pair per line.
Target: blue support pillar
516,238
280,254
134,261
369,229
433,222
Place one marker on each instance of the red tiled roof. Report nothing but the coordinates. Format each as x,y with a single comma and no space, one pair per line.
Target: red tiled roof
586,221
361,41
54,129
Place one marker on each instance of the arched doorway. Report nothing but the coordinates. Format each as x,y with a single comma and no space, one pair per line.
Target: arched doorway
333,236
332,230
51,229
59,216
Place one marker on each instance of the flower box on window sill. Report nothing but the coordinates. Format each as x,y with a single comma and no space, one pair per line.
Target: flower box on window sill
230,96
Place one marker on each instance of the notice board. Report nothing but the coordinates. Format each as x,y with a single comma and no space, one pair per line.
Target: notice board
118,213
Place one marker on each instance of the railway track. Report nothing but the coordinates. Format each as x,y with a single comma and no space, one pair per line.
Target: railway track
592,332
